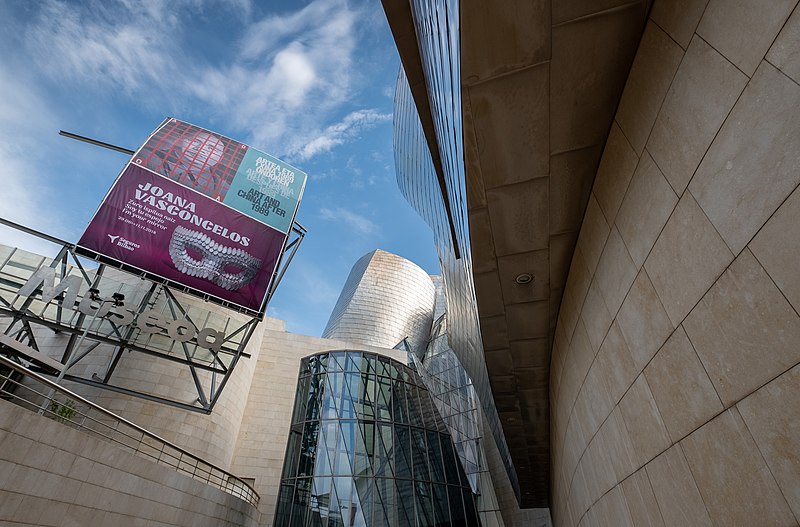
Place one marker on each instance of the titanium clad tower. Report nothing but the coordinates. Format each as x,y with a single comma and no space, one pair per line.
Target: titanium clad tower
386,299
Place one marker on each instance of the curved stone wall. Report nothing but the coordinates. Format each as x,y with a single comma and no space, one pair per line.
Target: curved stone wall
386,298
675,385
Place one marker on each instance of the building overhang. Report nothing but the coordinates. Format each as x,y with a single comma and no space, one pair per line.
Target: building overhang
540,81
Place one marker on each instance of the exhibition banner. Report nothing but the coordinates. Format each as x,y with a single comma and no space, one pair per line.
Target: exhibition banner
201,210
246,179
161,227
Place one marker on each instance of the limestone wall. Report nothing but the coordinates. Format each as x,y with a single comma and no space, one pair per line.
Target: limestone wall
54,475
675,385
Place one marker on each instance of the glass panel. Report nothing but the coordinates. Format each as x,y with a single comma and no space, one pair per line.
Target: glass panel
344,448
456,507
334,513
333,393
321,501
403,460
420,452
383,463
451,466
336,361
399,395
350,396
300,398
292,453
383,399
305,366
435,457
343,488
309,450
387,494
301,502
284,509
440,508
469,508
414,410
366,409
353,361
330,436
364,451
361,499
405,503
315,397
424,506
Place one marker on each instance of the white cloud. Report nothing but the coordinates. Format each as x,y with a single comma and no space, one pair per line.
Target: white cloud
339,133
359,224
293,71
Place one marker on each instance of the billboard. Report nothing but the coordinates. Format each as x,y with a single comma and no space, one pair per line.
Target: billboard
201,210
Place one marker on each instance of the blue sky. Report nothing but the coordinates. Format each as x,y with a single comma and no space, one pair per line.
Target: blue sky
309,82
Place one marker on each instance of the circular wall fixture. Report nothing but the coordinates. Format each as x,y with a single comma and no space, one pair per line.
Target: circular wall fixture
524,278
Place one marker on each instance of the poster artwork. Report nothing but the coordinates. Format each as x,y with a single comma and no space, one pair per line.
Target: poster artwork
152,223
250,181
201,210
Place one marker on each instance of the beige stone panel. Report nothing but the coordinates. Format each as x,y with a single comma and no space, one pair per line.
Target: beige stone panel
614,510
777,246
744,330
679,18
675,490
730,473
743,30
643,321
653,68
578,283
520,211
615,272
752,164
686,260
582,356
646,208
683,392
617,366
595,316
641,501
594,232
598,399
704,90
643,421
785,52
772,415
614,436
614,173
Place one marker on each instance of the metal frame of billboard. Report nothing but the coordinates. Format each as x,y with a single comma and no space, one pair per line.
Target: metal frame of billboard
22,321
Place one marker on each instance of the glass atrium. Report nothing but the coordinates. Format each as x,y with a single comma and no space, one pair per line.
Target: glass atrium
368,447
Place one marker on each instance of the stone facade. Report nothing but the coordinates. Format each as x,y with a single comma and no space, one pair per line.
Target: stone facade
674,381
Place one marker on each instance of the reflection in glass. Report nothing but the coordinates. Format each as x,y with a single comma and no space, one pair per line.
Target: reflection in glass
349,464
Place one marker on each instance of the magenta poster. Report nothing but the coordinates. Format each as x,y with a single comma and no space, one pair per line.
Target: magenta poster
164,228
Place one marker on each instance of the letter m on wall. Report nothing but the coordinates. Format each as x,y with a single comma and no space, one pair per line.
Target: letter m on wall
46,278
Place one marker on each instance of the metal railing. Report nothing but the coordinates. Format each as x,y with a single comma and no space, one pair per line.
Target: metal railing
30,390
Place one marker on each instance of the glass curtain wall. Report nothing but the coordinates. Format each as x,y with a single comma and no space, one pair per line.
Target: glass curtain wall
368,448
